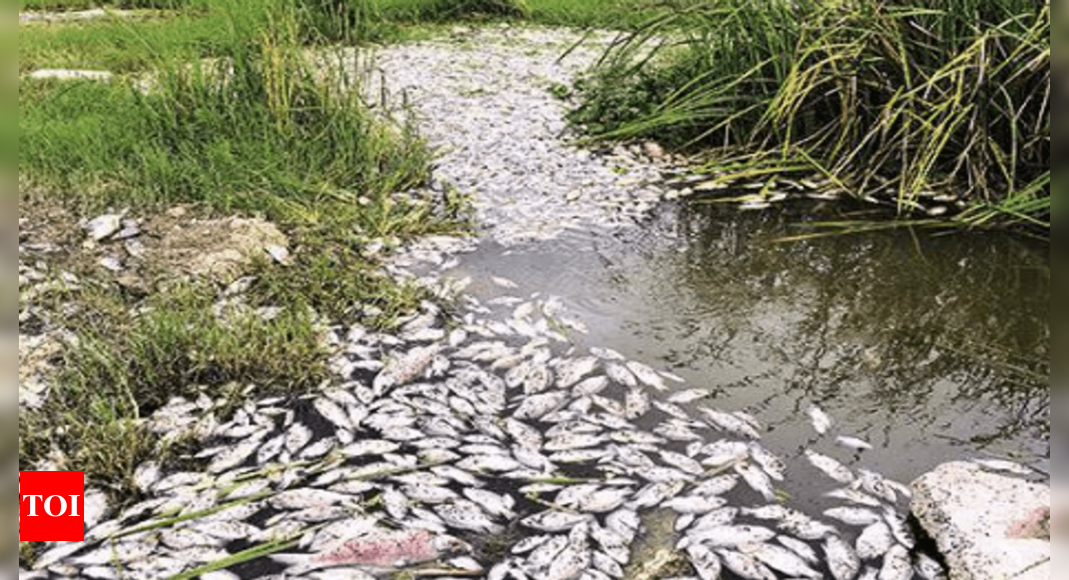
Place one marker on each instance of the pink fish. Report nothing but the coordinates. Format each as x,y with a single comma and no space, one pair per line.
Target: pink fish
384,550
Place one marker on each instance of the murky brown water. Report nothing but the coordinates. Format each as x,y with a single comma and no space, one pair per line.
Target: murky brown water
931,347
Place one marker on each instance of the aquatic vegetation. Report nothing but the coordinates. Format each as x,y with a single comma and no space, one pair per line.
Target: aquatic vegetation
879,101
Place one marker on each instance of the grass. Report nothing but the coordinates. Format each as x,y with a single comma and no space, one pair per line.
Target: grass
875,97
258,130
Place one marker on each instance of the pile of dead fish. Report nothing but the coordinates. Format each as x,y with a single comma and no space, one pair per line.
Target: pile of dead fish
484,444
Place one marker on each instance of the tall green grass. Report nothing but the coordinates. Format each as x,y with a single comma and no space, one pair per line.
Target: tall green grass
952,97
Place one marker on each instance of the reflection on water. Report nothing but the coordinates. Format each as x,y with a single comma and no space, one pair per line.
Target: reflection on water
933,348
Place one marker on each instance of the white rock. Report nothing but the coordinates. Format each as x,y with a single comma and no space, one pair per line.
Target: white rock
976,520
63,74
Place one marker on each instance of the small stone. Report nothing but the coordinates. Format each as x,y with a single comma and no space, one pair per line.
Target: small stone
103,226
111,263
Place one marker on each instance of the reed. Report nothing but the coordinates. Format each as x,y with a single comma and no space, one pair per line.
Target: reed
949,99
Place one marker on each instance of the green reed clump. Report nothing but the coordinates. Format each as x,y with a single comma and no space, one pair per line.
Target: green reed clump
952,97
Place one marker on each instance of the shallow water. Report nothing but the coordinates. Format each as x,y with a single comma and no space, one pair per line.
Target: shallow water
931,347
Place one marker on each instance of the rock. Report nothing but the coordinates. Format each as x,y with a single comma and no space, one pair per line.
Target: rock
977,519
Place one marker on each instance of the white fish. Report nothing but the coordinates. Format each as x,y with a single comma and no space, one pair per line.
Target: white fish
876,485
928,568
297,437
718,485
756,479
646,375
842,561
301,498
428,493
541,557
569,371
688,396
625,522
670,409
553,520
681,461
785,561
898,526
853,442
716,518
529,543
723,452
610,405
896,565
655,493
591,386
606,564
535,406
745,565
458,475
523,433
730,536
874,541
370,447
636,403
820,420
705,562
333,413
604,500
772,511
395,502
829,466
146,475
569,563
467,515
483,463
233,456
728,422
805,527
854,496
772,465
694,504
493,503
579,455
853,516
799,547
619,374
676,430
573,441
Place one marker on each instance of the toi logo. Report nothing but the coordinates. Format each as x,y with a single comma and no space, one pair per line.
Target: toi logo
51,506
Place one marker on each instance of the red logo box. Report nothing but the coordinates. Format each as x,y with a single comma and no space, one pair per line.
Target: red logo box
51,506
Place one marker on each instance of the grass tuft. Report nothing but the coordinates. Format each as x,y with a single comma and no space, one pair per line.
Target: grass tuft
952,98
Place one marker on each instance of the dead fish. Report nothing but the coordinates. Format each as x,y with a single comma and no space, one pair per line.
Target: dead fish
745,565
536,406
569,371
529,543
688,396
756,479
572,495
681,461
385,549
646,375
580,455
800,548
771,464
458,475
896,564
606,564
723,452
297,437
542,556
898,526
694,504
301,498
233,456
876,484
842,561
729,536
591,386
728,422
619,374
854,496
853,443
370,447
785,561
604,500
428,493
467,515
624,522
676,430
636,403
874,541
610,405
853,516
401,369
718,485
670,409
569,563
774,511
829,466
819,419
554,520
484,463
333,413
493,503
706,563
522,433
573,441
804,527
